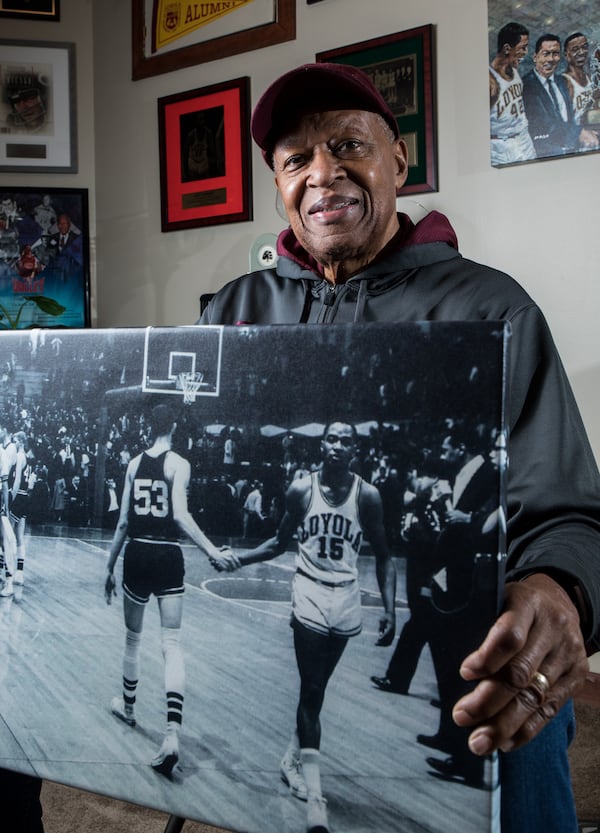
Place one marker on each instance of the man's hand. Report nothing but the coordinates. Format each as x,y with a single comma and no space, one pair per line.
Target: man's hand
455,516
530,663
225,560
110,588
387,630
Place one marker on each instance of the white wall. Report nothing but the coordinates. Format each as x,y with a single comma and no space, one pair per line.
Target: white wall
537,221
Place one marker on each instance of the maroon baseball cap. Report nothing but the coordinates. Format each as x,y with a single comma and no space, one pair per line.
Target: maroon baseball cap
314,88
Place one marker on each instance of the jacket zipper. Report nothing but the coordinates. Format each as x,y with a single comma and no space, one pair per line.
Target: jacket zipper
328,302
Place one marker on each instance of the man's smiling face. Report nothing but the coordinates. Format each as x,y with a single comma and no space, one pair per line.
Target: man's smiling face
338,173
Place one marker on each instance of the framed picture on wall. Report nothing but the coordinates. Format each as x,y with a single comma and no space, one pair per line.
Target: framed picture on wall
31,9
44,258
166,37
38,121
402,68
205,167
544,80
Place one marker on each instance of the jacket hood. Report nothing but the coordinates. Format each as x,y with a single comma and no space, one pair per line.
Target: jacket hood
434,228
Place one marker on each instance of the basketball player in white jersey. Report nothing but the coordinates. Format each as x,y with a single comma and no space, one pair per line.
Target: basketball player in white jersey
509,135
584,94
19,500
154,512
331,511
8,457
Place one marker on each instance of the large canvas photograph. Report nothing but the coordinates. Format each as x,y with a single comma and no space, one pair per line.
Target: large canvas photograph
544,78
242,562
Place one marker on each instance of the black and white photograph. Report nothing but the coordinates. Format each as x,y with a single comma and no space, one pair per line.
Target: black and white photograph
544,78
240,567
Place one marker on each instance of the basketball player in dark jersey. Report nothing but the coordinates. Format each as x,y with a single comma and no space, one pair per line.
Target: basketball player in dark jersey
330,511
154,513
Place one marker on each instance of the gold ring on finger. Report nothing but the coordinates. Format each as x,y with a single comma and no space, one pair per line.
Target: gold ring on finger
542,682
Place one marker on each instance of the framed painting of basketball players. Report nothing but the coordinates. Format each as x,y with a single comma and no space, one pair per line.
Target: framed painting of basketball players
205,161
544,80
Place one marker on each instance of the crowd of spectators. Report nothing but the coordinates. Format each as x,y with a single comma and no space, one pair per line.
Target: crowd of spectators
80,443
73,454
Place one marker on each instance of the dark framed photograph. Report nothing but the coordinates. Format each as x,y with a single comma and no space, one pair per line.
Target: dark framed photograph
44,258
205,167
38,119
30,9
163,39
402,68
544,81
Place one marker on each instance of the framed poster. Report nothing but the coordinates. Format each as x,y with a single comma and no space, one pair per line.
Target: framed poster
168,36
254,431
205,162
44,258
30,9
544,80
402,68
38,120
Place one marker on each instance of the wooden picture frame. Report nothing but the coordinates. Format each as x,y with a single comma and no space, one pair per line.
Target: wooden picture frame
38,112
44,258
30,9
281,28
401,66
205,161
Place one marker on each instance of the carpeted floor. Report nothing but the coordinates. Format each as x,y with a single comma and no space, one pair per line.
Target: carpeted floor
71,811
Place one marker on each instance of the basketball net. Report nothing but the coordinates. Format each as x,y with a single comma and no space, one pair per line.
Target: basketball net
189,383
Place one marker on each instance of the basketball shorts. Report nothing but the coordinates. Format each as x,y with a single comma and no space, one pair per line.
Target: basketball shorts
18,507
152,568
327,609
518,148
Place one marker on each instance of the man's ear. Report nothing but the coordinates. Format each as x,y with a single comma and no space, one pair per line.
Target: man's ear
401,155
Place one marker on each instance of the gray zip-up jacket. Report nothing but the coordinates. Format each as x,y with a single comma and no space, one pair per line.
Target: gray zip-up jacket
553,496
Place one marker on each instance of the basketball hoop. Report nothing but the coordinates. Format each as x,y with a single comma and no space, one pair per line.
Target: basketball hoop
189,383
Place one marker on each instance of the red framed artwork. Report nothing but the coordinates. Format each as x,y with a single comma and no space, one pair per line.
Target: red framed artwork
402,68
205,167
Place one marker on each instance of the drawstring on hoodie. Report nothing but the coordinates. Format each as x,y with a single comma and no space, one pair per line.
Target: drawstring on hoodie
307,302
361,301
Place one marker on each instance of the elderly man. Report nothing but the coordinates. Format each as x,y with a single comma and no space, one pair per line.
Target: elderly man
339,162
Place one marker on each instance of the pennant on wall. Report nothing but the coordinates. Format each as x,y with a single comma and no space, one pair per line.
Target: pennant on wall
172,20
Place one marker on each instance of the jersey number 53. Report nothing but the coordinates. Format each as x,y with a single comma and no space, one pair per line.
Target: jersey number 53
151,497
